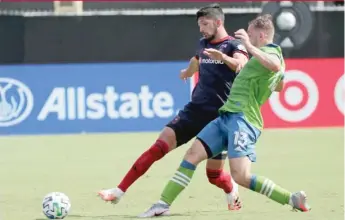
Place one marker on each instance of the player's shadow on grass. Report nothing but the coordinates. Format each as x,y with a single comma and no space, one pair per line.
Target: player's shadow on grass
101,216
184,214
115,216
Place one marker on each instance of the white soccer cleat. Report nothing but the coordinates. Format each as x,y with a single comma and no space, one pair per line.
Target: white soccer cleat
233,198
298,201
111,195
158,209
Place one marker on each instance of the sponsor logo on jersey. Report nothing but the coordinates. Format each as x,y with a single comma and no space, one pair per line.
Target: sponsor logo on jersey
210,61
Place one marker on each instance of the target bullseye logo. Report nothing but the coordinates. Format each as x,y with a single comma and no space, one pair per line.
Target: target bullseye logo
299,98
339,94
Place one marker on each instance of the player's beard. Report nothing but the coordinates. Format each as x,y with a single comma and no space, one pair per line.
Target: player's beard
211,36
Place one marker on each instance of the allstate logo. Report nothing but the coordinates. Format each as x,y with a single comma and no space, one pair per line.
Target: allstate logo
16,102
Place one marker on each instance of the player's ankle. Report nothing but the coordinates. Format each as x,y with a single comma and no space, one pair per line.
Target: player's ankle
291,202
119,192
162,202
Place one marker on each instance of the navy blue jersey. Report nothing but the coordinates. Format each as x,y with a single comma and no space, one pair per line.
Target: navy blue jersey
215,77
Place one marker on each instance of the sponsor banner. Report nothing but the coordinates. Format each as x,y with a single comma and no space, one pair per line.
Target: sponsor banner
313,95
131,97
73,98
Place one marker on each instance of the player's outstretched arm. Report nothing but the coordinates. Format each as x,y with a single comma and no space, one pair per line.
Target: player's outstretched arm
236,62
193,65
192,68
233,63
270,61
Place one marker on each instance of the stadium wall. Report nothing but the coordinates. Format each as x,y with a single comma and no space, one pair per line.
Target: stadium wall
55,78
137,38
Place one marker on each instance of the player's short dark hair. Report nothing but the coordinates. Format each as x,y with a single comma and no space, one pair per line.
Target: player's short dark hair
212,11
263,22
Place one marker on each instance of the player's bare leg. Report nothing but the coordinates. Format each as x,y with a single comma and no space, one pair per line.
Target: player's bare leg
241,172
165,143
219,177
179,181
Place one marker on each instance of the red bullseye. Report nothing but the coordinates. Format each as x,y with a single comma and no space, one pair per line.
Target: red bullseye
298,87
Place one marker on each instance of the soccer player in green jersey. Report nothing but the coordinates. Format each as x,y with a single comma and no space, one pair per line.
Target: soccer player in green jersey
239,124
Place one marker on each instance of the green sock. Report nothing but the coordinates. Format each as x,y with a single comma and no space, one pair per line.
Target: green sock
268,188
179,181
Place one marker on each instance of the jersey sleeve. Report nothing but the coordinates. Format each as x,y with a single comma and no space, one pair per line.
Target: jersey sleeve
274,81
274,50
237,47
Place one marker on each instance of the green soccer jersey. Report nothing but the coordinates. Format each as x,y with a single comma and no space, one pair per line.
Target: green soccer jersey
253,86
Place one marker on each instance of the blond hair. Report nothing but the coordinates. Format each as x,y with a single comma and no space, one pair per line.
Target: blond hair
265,23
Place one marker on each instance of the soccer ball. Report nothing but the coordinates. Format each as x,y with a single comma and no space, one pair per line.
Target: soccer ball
286,21
56,205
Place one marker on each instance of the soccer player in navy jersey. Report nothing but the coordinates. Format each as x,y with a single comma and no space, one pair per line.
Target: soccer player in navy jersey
218,59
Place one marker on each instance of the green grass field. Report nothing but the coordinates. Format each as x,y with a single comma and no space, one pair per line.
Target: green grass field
79,165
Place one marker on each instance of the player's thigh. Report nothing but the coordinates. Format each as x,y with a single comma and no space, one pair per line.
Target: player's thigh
242,137
196,153
178,129
212,138
187,124
217,162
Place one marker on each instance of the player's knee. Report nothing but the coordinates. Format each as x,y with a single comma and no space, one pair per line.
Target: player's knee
169,137
158,150
213,175
191,156
196,154
240,170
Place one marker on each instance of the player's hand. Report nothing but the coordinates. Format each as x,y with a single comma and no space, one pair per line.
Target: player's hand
239,67
213,54
184,75
243,36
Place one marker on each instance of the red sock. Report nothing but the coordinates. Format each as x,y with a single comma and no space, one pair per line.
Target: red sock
143,163
220,178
